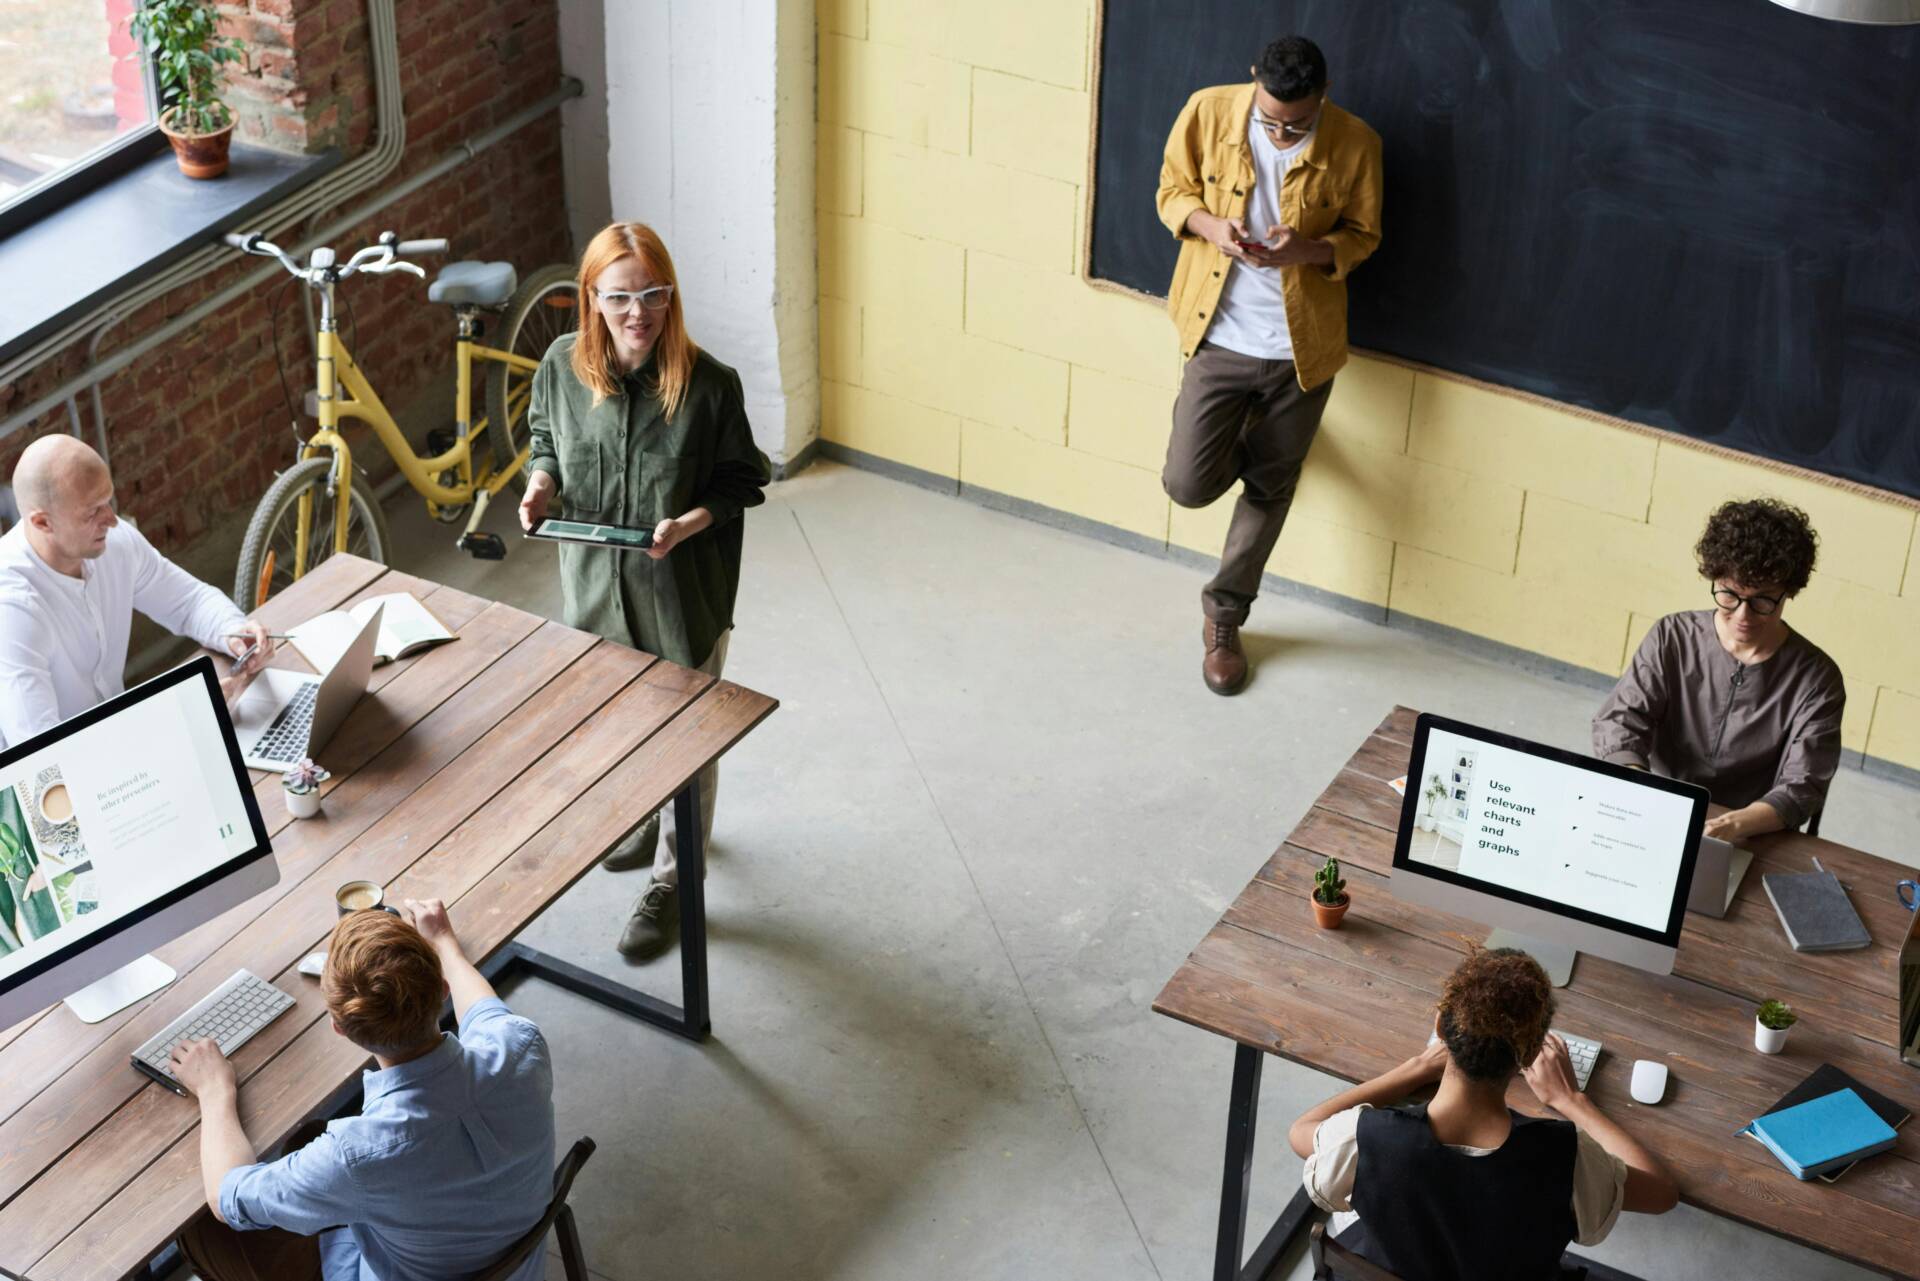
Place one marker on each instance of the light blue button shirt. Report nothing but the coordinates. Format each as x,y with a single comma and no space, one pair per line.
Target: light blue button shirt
448,1164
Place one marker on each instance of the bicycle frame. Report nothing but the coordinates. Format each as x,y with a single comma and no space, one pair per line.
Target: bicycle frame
343,393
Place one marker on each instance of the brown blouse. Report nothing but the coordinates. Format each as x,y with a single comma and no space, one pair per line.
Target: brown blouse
1744,731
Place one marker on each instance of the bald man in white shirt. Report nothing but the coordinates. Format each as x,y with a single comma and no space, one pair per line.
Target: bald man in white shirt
71,576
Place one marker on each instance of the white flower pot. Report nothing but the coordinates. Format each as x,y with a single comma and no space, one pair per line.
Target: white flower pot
1769,1040
303,804
1426,822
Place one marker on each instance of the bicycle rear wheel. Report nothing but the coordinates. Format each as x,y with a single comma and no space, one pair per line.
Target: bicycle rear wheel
268,555
544,307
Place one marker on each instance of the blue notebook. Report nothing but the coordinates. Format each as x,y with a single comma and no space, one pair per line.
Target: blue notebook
1823,1134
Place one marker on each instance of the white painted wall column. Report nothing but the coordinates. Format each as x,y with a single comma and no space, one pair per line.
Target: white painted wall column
710,140
583,120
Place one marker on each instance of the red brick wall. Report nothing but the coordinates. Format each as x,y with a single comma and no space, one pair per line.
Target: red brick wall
197,429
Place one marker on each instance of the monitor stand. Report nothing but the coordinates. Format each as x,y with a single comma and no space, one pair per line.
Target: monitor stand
134,981
1555,958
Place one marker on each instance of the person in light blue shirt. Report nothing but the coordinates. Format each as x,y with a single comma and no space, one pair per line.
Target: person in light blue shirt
450,1160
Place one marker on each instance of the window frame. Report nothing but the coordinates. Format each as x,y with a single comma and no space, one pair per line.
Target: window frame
108,161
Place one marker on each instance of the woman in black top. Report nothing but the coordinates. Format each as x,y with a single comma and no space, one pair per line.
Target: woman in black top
1462,1188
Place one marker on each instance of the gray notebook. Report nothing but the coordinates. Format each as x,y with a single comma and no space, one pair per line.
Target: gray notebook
1815,911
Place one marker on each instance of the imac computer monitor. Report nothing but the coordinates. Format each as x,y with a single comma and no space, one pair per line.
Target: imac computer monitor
1560,852
120,830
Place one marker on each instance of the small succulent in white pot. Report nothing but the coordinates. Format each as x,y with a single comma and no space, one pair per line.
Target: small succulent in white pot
302,783
1770,1024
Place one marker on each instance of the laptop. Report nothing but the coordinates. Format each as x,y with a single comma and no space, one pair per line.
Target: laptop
1716,876
285,716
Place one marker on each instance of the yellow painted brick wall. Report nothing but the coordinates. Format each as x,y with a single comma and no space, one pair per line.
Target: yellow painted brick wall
957,337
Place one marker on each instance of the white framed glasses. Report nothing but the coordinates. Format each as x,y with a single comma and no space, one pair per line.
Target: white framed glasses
619,301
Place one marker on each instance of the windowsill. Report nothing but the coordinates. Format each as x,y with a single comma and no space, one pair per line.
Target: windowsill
84,253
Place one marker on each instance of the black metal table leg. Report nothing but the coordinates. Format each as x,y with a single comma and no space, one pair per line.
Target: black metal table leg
1243,1115
690,1019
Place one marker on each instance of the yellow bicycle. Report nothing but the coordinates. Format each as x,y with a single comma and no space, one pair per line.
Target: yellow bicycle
322,505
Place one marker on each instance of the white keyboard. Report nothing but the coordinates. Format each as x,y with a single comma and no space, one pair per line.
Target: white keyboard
230,1014
1582,1051
286,738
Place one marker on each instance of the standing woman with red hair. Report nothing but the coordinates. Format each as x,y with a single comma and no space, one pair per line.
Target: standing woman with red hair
632,424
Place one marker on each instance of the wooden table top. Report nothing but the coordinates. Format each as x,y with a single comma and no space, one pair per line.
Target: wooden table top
1355,1001
491,773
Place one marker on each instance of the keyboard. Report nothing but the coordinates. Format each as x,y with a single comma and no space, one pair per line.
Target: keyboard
286,739
1583,1052
230,1014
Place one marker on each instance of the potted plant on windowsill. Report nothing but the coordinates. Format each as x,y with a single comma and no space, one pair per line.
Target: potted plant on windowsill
1330,900
1770,1024
182,38
303,788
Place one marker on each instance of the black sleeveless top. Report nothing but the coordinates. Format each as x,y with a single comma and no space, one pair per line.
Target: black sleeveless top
1428,1213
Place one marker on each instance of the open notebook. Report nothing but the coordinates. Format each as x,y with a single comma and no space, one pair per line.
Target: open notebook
405,628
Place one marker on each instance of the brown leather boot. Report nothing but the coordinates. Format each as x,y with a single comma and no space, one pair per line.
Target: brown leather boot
1225,665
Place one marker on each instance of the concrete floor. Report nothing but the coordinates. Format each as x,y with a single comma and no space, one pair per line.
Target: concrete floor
993,814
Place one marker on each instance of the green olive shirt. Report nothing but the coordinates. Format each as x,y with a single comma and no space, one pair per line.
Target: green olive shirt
622,462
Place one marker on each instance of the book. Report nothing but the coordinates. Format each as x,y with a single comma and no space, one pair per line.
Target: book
1815,911
406,627
1826,1079
1823,1134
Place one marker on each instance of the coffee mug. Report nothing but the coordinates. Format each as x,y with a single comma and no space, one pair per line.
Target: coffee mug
360,896
1909,893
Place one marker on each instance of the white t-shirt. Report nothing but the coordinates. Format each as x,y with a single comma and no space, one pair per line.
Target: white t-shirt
1251,316
1599,1178
63,640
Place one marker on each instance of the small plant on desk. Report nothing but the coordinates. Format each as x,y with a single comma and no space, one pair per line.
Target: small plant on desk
1770,1024
1330,900
303,788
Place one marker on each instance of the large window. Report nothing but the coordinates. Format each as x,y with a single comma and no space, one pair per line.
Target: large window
75,93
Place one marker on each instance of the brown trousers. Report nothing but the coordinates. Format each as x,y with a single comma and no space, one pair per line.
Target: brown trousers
217,1252
1240,418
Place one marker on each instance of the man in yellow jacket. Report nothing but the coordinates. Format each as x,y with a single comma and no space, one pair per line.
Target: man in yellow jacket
1274,193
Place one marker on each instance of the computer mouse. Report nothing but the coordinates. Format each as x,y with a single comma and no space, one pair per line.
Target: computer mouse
313,962
1649,1081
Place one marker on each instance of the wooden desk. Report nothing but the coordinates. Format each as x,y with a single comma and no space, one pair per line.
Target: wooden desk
1358,1000
492,773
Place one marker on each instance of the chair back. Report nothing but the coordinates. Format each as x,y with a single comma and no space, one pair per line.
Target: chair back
1333,1260
556,1210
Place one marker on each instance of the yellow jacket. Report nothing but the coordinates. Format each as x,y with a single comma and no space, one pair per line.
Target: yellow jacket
1331,193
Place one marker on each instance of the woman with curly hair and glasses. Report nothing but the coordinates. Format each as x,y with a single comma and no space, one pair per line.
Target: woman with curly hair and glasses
1731,698
1463,1186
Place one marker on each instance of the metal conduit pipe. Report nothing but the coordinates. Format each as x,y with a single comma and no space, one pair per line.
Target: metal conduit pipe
459,155
349,180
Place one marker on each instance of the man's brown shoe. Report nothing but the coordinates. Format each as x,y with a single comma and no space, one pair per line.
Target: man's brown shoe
1225,665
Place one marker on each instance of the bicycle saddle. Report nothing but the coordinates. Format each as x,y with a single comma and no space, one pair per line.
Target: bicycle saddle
479,284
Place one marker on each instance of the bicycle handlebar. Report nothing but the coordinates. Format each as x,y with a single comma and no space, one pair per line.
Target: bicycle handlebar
375,258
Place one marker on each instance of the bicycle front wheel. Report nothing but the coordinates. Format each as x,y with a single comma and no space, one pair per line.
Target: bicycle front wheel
545,306
270,554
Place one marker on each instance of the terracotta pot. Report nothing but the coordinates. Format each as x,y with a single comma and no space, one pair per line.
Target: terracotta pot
1329,918
200,155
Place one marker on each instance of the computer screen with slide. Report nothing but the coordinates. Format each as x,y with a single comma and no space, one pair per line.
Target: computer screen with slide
120,829
1564,849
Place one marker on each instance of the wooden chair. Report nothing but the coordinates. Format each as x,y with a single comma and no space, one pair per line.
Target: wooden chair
1332,1260
558,1218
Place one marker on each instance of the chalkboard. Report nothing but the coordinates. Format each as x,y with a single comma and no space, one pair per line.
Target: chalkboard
1701,215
